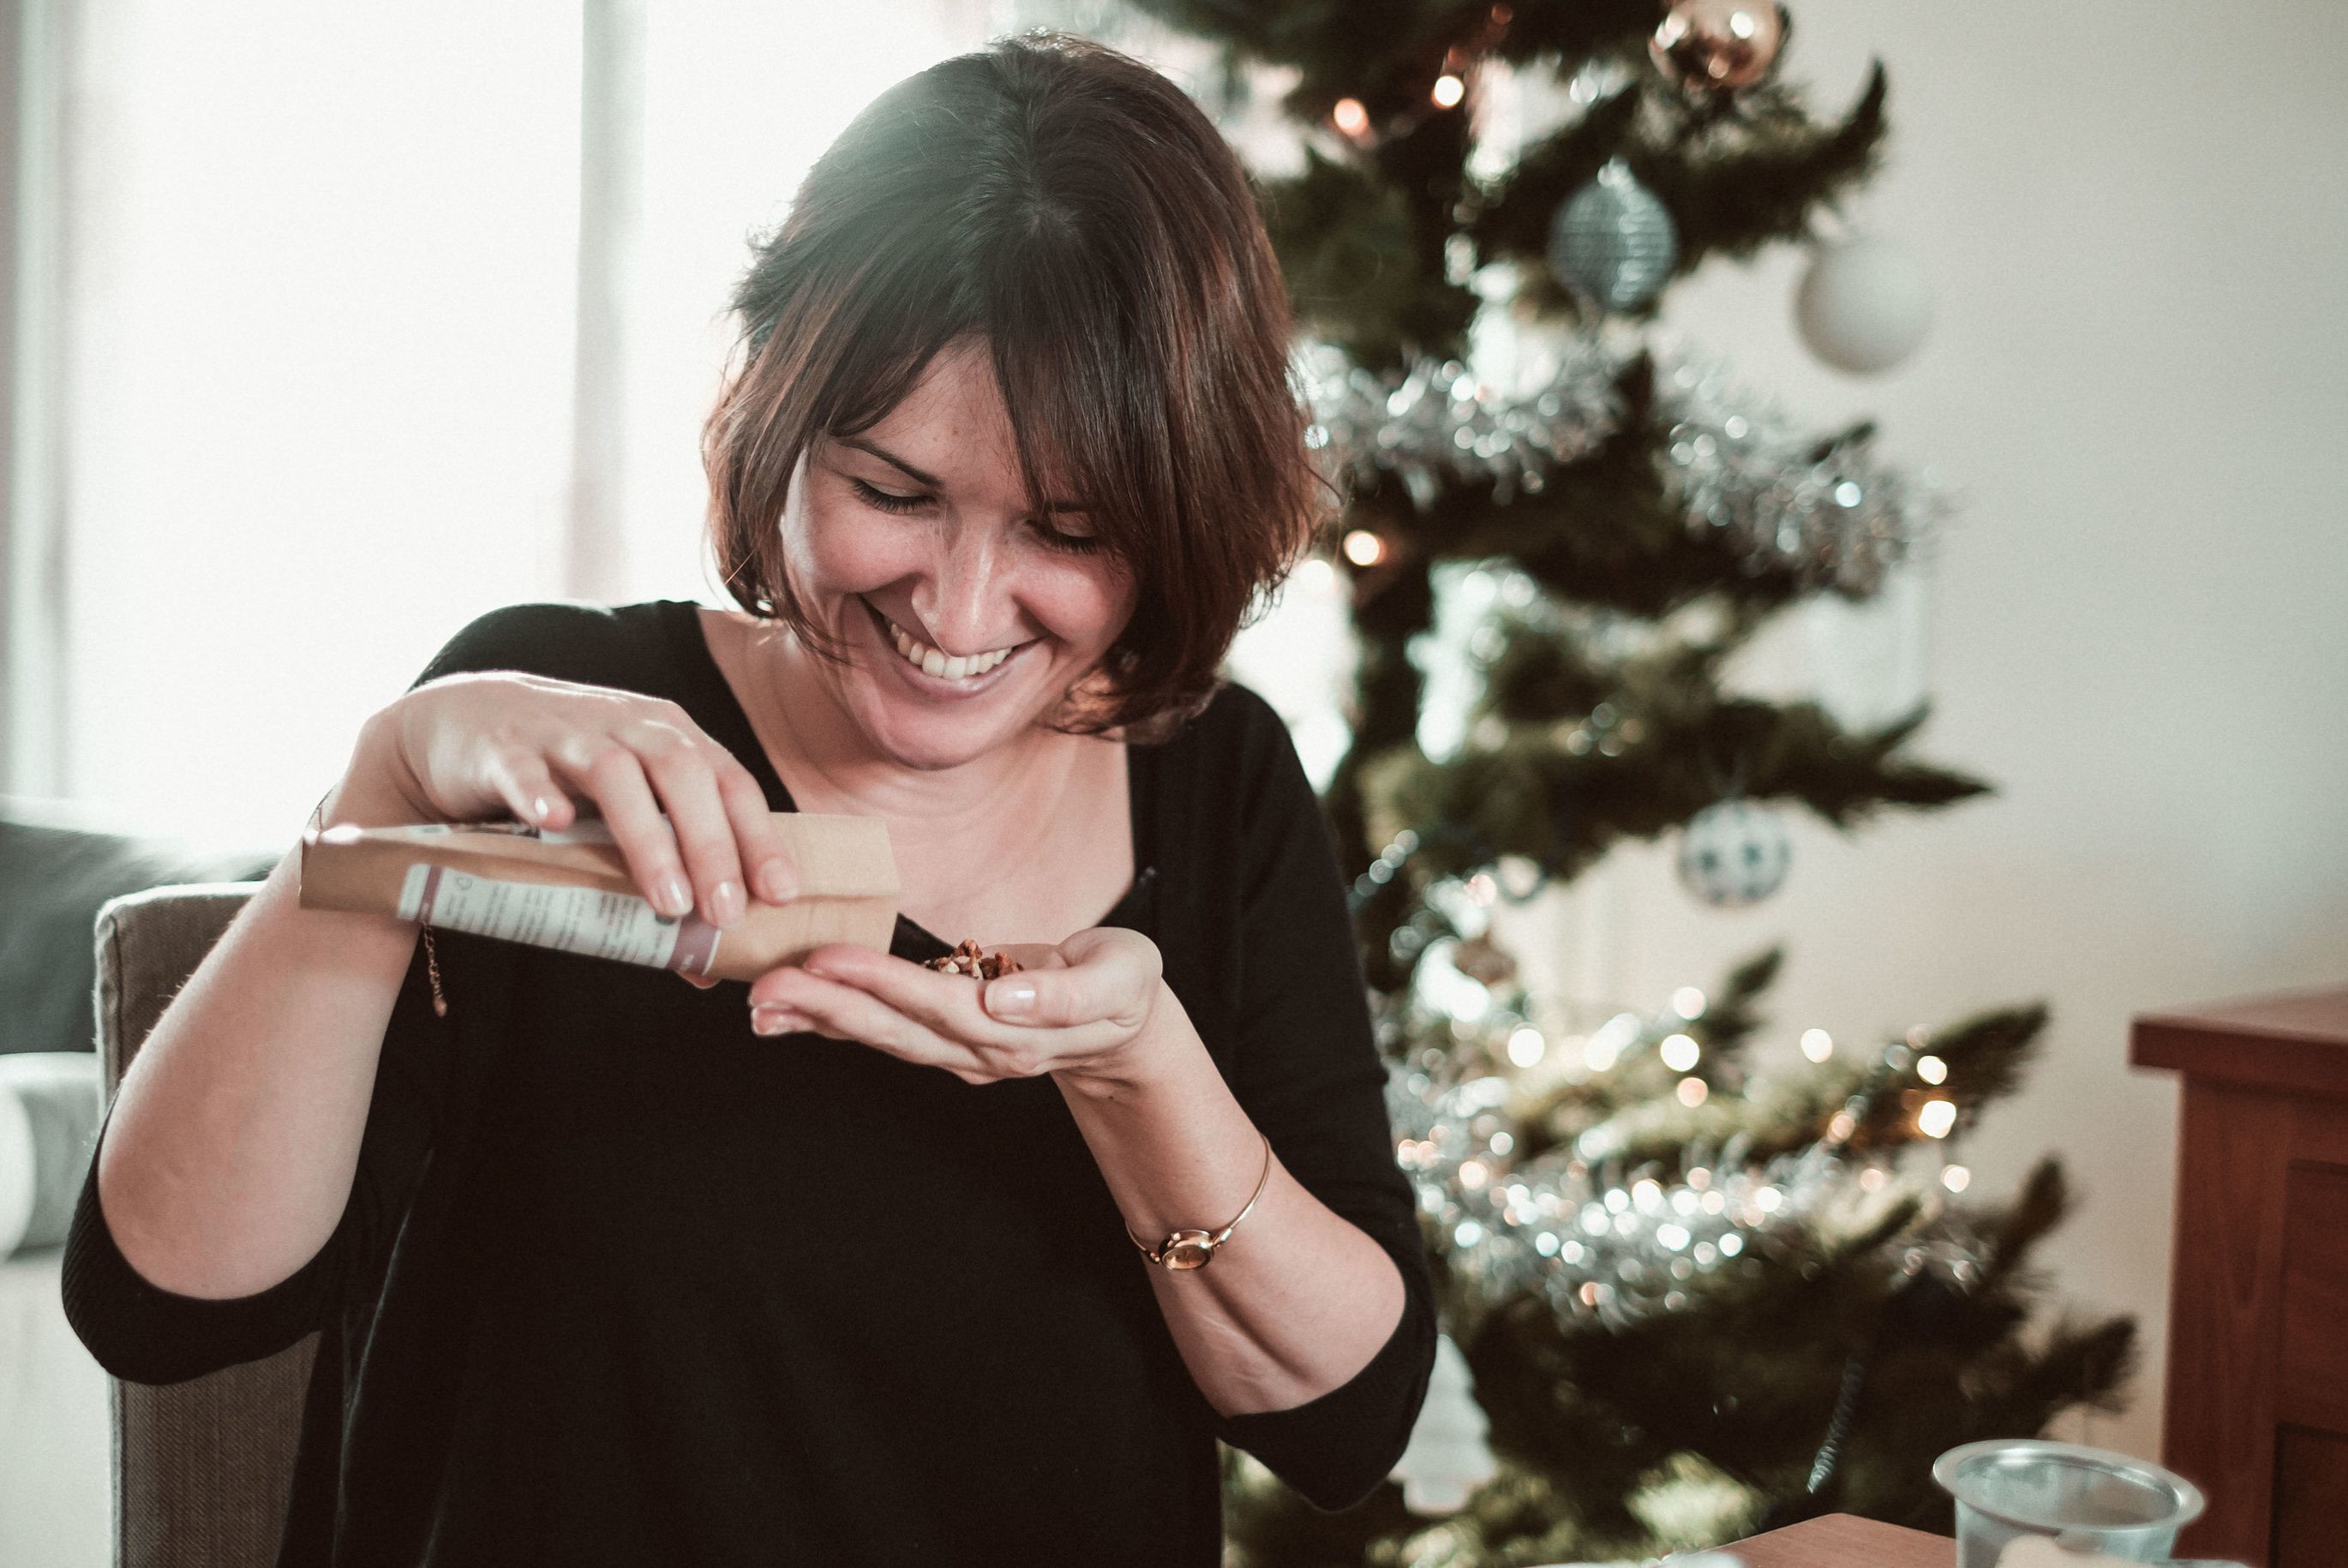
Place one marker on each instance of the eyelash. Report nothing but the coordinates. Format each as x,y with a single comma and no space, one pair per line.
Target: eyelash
1073,543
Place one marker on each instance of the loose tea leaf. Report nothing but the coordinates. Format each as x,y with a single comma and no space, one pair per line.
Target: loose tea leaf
969,958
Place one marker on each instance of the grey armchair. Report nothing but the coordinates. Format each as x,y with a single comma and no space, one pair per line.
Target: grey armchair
202,1469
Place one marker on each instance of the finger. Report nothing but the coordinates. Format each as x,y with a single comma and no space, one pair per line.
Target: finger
527,787
681,775
1104,975
760,842
844,1011
614,777
945,1007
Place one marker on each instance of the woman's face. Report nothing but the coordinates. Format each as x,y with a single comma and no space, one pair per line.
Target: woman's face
920,520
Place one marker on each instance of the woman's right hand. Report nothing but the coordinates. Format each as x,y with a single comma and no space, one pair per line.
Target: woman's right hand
482,745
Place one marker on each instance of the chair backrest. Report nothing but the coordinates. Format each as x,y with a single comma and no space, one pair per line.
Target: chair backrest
202,1469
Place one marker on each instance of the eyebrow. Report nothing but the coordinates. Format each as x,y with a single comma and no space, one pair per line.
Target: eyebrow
918,477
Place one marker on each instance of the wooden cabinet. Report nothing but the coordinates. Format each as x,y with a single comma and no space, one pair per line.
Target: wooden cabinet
2258,1330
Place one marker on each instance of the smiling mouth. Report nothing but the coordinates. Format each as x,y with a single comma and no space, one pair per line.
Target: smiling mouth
912,651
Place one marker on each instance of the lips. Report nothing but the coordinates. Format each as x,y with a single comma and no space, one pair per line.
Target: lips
966,685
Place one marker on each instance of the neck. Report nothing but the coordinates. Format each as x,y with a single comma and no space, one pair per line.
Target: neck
1006,797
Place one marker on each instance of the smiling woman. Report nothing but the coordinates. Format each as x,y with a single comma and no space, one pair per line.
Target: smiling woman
870,1260
1103,265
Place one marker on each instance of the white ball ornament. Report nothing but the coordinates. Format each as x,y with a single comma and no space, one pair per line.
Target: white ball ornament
1863,304
1734,851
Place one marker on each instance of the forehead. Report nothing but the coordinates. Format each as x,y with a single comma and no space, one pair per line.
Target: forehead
954,424
954,412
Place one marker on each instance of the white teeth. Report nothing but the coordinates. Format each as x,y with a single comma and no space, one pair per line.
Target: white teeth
937,664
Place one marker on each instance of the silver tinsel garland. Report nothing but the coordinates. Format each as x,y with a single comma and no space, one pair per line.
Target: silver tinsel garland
1834,519
1441,420
1611,1247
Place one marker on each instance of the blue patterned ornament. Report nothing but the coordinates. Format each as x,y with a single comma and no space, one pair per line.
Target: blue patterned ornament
1734,852
1612,241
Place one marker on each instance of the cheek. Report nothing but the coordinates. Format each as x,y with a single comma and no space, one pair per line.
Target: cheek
834,549
1094,606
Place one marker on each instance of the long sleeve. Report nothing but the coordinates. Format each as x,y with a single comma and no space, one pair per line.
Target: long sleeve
1307,1071
144,1334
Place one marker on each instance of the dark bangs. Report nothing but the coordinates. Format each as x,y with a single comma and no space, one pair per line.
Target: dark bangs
1080,213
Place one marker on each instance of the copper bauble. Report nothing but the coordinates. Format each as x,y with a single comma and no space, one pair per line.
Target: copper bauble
1718,45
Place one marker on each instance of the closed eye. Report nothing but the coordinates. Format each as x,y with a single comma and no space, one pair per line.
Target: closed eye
888,500
891,501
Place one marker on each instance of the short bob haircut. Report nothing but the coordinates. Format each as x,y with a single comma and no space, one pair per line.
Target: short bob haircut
1077,210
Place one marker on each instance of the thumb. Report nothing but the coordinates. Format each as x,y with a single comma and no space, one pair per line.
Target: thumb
1081,981
1018,998
1015,999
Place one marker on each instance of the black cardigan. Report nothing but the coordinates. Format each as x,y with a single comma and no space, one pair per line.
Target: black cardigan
620,1282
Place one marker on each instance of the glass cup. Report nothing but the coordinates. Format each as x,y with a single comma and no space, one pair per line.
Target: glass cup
2023,1502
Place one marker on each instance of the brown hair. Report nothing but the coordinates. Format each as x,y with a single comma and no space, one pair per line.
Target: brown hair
1075,208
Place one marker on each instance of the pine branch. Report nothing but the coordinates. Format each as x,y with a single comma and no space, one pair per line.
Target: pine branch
1732,200
1731,1016
1345,243
2042,1205
1513,213
1576,31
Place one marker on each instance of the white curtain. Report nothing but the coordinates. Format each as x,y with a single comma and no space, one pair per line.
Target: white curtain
343,358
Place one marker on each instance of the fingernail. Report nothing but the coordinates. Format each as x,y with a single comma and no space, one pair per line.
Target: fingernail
675,898
776,1020
1010,998
724,904
780,885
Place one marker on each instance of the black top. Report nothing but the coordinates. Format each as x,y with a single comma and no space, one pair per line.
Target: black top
620,1282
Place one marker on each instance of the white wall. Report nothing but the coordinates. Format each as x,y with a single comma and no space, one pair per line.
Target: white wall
2135,221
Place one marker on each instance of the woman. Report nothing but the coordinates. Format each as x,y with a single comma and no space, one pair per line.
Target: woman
862,1262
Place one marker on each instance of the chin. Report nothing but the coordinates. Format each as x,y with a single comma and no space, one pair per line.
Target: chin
933,734
926,729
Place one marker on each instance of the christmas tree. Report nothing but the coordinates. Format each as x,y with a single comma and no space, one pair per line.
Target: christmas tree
1683,1298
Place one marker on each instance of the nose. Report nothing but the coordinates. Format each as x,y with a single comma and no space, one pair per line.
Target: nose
964,598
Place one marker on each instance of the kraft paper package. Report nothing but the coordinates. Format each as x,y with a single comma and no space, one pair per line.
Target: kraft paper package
570,889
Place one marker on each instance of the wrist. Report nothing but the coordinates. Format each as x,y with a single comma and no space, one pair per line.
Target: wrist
369,794
1149,1060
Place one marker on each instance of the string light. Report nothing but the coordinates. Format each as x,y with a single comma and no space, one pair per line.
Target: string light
1688,1003
1364,548
1601,1242
1817,1044
1350,116
1448,90
1931,1069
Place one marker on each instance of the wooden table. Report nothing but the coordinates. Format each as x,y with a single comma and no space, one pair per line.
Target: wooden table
2257,1412
1846,1540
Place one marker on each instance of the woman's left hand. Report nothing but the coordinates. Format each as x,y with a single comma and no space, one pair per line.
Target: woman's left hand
1089,1000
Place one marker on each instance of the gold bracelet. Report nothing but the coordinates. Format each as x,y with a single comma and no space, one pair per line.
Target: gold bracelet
1192,1249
